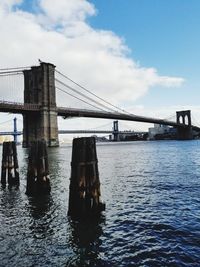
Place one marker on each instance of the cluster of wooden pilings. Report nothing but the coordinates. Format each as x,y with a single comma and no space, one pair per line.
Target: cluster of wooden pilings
84,195
10,168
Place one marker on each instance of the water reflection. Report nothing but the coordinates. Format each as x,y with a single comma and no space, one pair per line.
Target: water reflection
152,214
40,205
40,209
10,198
85,240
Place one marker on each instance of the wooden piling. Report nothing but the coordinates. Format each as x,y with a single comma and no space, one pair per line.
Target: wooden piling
38,181
84,196
9,168
4,164
15,159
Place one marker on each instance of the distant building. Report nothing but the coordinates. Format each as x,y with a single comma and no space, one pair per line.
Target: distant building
130,136
159,132
100,138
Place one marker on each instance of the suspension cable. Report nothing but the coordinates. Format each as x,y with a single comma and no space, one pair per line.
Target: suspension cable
100,126
105,101
195,121
87,97
10,74
16,68
171,116
79,99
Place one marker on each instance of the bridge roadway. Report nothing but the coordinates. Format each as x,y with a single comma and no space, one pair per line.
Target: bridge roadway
20,108
81,132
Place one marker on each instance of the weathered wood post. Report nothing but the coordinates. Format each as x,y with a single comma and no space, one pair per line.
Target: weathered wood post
9,168
38,170
15,159
4,164
84,196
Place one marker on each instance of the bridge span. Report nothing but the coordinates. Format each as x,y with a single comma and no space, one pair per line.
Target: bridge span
115,132
18,108
72,112
40,110
65,112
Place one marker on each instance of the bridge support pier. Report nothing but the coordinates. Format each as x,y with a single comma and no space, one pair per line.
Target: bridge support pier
184,117
40,89
15,130
115,131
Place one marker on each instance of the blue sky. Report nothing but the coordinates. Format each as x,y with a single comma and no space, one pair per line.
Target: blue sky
163,34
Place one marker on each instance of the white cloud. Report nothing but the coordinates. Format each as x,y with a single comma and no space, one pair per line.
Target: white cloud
59,33
9,4
67,11
98,59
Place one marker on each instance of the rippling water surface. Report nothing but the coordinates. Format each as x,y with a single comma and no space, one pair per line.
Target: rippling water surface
152,217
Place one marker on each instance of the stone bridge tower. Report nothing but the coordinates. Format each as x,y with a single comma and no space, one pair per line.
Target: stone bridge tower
184,118
115,131
39,88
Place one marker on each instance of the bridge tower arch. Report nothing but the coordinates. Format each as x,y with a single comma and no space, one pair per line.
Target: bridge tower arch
184,132
39,88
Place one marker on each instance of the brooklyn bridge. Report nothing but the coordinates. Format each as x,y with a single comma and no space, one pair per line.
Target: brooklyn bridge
40,110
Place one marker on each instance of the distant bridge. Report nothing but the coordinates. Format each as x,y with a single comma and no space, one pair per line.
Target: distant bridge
98,132
115,132
80,132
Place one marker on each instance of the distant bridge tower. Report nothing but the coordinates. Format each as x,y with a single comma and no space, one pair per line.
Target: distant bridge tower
39,88
15,130
184,117
115,131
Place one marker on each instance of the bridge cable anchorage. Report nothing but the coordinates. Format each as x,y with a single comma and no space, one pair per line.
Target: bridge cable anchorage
100,98
87,97
79,98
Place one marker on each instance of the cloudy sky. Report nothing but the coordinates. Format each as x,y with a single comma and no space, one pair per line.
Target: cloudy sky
141,55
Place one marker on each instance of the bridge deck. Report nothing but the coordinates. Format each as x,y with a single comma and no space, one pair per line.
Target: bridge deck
12,107
72,112
17,108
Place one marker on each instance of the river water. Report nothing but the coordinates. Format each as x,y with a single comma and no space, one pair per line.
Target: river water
152,217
